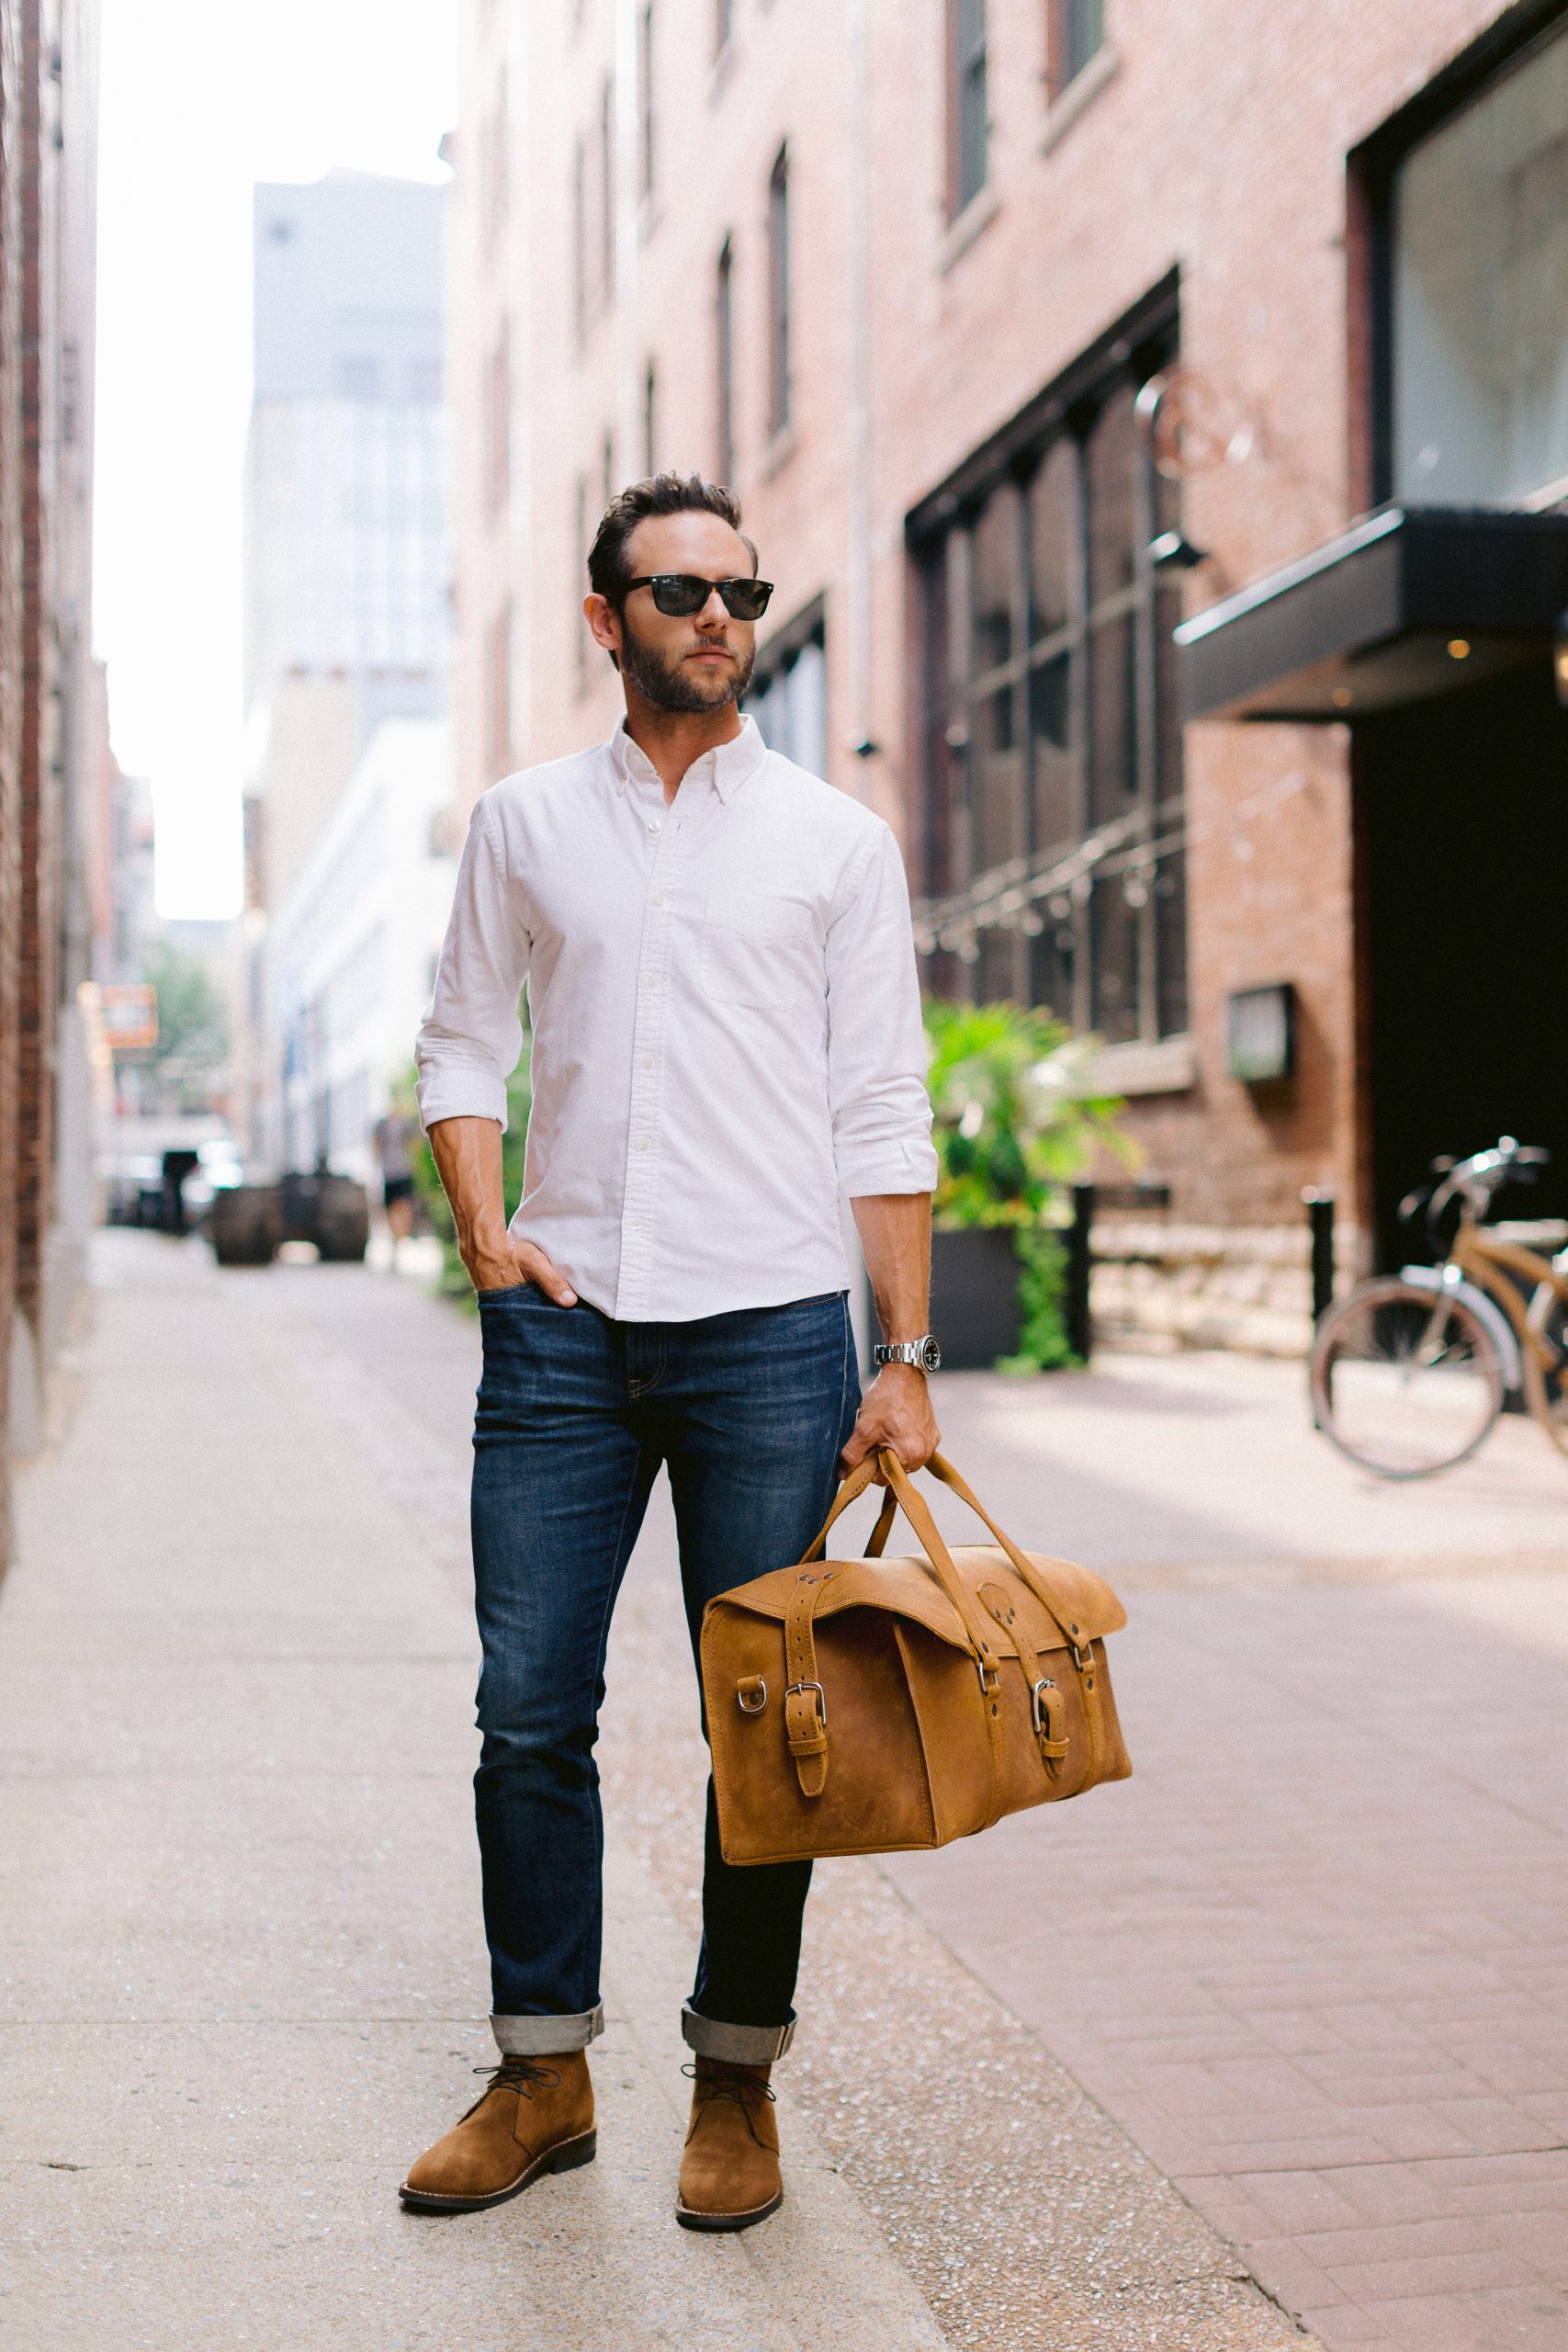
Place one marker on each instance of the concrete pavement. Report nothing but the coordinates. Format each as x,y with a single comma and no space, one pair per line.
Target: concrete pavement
240,1969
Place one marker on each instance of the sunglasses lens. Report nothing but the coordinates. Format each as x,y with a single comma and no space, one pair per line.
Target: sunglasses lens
678,596
748,599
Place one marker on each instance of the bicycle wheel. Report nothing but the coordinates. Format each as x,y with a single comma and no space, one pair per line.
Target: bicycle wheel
1405,1381
1546,1385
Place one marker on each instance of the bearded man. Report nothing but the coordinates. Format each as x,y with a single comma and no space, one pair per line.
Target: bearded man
727,1041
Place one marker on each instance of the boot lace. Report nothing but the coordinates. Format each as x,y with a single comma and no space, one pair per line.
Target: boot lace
740,2088
516,2075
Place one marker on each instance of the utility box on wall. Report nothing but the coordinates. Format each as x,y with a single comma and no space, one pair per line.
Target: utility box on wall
1260,1027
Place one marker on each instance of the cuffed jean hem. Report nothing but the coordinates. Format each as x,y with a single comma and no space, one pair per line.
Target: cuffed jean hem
546,2036
736,2045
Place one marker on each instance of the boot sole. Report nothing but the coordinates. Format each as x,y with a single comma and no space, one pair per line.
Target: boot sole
691,2220
565,2156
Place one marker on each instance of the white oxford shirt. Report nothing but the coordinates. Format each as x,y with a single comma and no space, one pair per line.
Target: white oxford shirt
725,1021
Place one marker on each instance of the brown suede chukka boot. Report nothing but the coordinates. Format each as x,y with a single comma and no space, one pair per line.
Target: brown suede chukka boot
729,2174
536,2117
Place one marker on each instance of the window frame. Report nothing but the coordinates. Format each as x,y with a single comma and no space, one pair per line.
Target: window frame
967,71
1064,60
724,360
959,689
1372,175
647,126
780,383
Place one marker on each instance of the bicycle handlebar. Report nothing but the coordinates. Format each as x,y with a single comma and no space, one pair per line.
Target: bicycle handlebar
1475,1179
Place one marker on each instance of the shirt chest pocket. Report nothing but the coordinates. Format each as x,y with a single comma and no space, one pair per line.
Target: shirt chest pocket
757,949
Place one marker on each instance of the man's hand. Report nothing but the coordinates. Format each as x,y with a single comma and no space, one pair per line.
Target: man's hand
468,1161
500,1264
896,1411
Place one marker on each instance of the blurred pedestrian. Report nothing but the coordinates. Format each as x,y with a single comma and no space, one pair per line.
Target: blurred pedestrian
727,1039
391,1139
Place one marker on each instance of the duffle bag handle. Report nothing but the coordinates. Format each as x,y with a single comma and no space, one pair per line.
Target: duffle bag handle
901,1494
886,1466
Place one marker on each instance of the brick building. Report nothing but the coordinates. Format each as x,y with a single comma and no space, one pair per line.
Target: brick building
1032,333
52,741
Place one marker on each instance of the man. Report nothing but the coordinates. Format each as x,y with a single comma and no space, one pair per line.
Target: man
391,1138
726,1039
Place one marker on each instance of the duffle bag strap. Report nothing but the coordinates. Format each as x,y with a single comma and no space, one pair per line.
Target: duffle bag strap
805,1703
970,1616
1079,1643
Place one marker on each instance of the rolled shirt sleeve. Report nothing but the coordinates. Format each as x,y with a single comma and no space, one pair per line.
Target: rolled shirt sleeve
876,1046
471,1039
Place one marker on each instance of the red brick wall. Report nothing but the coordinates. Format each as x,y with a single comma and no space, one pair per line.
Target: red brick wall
1210,142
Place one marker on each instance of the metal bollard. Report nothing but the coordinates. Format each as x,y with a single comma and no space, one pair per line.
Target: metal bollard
1319,1207
1078,1270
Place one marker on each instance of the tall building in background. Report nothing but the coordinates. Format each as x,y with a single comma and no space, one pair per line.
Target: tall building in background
1159,451
348,599
53,744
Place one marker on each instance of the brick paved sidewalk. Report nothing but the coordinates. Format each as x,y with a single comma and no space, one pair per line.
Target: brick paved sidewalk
1315,1955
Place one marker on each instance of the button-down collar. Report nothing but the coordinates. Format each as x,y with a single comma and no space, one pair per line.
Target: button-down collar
726,766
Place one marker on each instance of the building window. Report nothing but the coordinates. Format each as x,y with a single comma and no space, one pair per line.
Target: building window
607,192
580,238
724,347
723,25
606,472
778,295
1478,223
498,693
788,697
645,98
1077,34
1052,754
498,428
649,420
968,133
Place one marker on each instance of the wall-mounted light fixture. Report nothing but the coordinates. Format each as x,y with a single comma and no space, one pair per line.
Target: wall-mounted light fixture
1260,1026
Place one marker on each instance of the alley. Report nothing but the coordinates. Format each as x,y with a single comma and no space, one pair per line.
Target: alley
241,1974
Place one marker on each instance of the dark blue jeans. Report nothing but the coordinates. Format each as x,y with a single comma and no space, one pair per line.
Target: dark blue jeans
575,1415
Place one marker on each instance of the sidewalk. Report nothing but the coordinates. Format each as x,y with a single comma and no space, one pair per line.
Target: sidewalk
240,1968
1314,1956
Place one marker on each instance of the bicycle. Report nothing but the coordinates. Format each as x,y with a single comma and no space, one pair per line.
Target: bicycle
1409,1370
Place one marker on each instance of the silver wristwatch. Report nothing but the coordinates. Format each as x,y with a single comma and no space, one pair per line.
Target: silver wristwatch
924,1354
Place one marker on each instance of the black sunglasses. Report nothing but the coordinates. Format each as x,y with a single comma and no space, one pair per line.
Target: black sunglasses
679,595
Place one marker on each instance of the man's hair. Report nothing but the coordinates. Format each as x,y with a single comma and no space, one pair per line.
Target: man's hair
608,570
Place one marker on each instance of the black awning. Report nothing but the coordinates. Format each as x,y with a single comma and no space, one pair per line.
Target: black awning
1412,603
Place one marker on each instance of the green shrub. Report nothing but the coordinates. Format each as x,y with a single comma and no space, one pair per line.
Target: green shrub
427,1183
1016,1119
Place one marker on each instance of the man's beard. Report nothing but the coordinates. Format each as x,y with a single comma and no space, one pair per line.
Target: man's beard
670,685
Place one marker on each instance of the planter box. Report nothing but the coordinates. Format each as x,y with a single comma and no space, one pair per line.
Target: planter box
975,1311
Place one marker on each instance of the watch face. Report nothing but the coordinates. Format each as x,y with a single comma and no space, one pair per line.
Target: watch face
931,1355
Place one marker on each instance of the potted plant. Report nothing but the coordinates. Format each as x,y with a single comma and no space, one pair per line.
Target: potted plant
1016,1117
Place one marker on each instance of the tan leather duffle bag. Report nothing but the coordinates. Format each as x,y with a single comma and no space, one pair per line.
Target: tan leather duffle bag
869,1707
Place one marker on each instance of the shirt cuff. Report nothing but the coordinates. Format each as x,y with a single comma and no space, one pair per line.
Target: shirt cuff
461,1094
890,1166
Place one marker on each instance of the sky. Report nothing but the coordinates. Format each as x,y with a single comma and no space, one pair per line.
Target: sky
200,99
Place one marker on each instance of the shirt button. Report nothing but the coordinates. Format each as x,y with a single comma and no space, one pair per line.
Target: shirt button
637,1225
642,1143
660,900
648,1061
653,979
653,824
